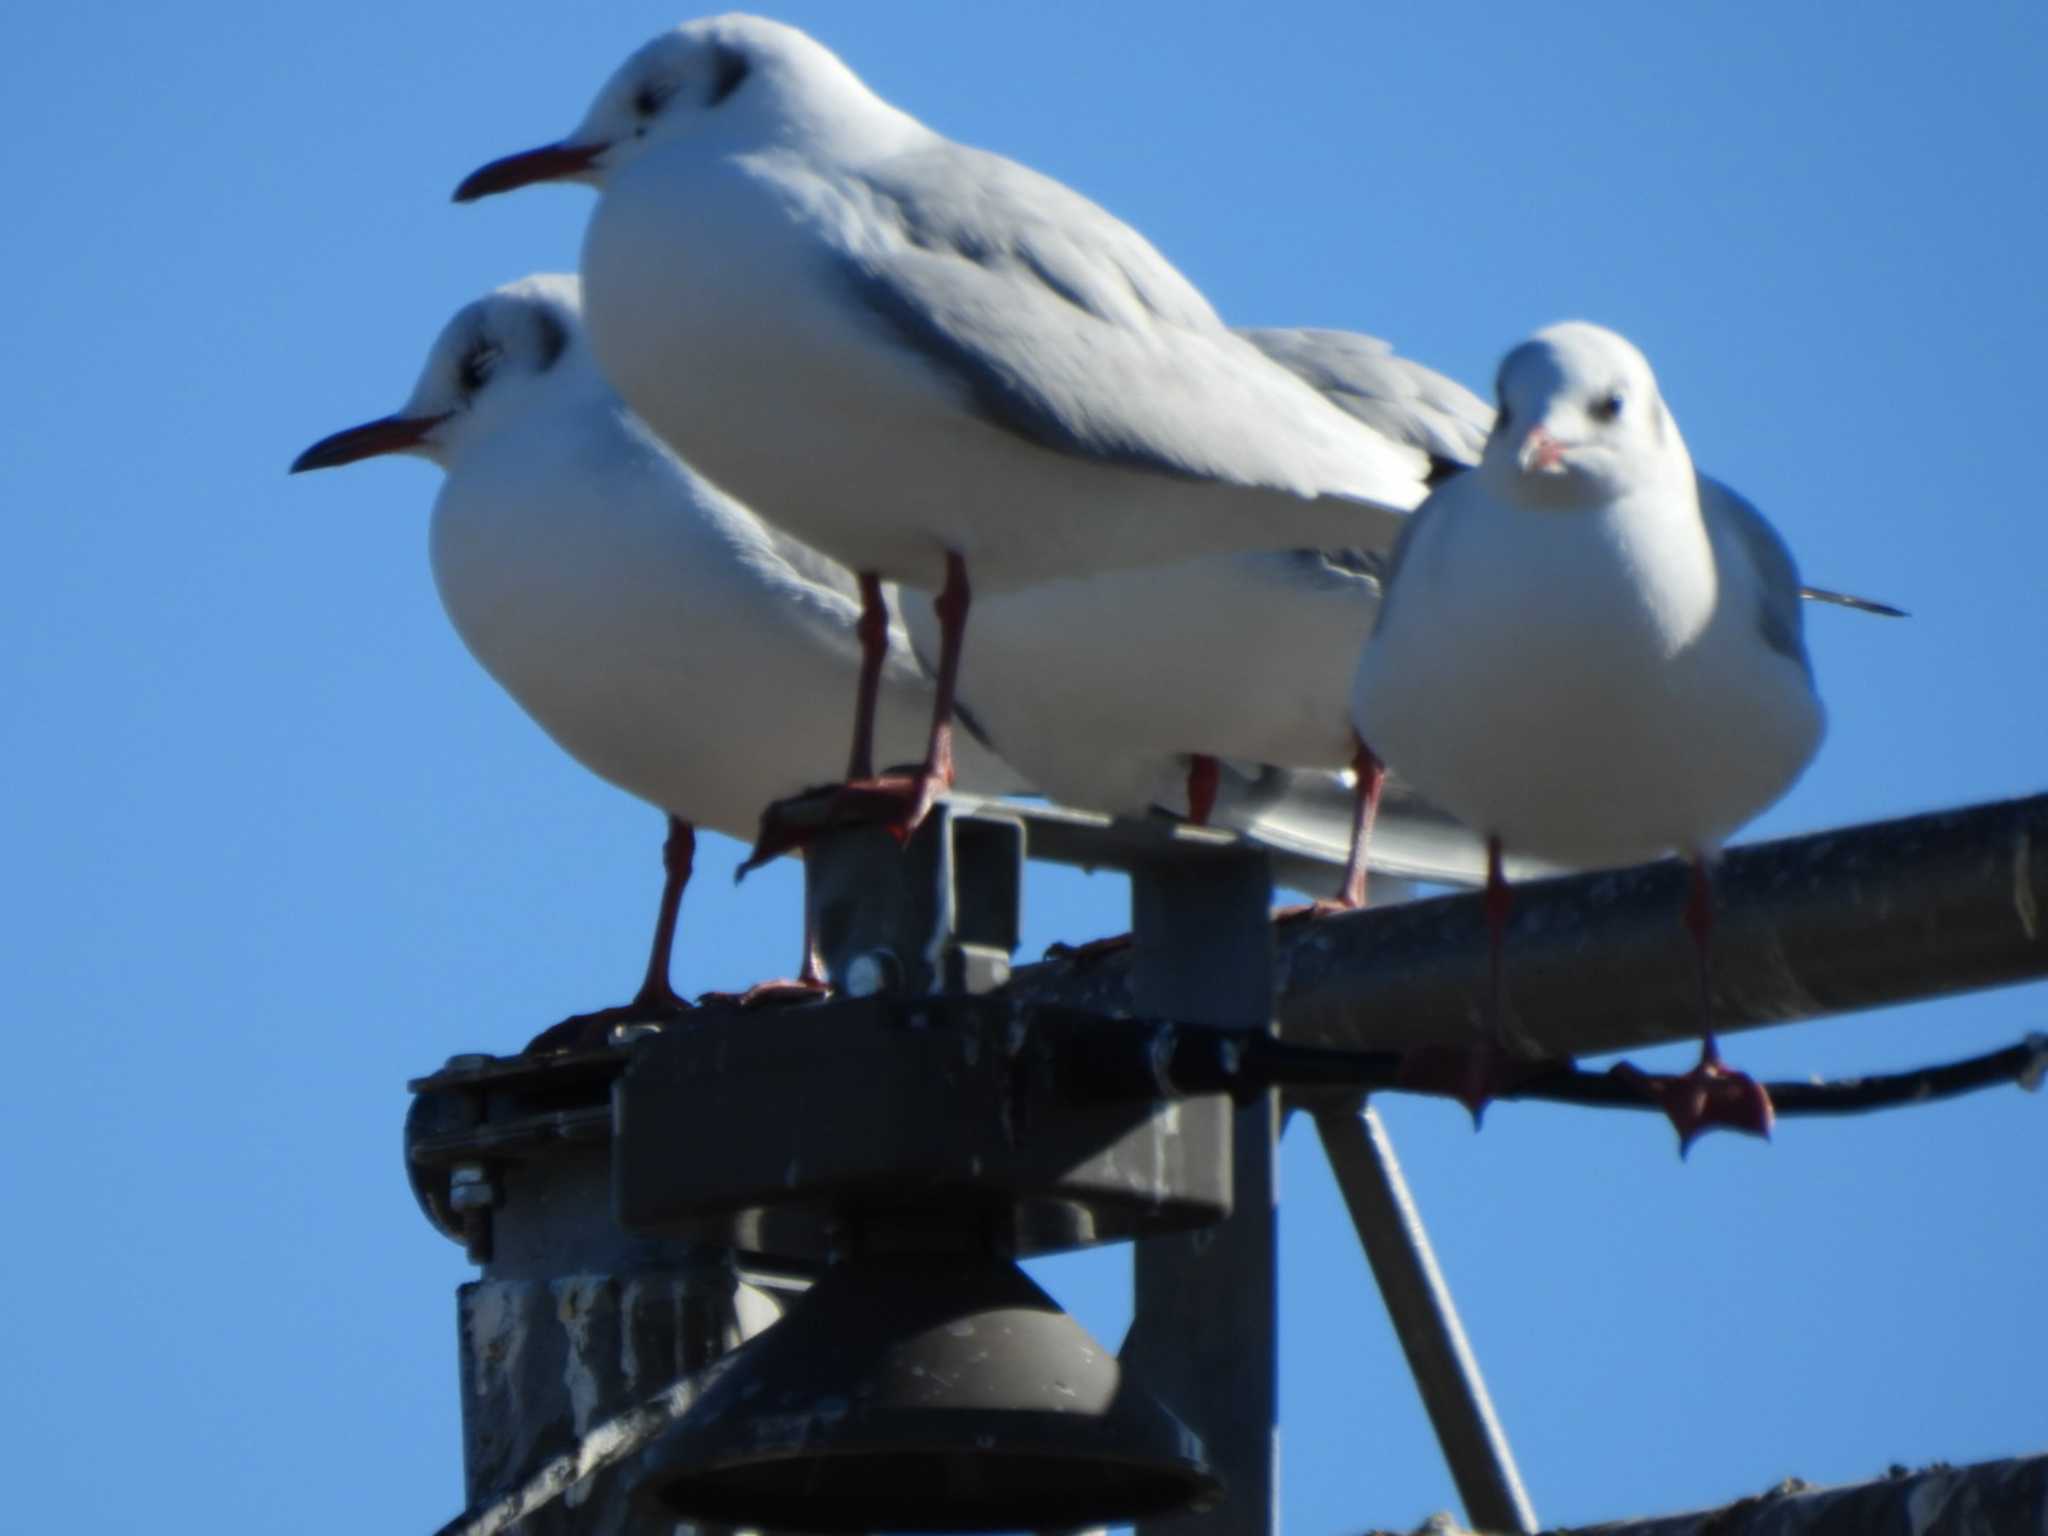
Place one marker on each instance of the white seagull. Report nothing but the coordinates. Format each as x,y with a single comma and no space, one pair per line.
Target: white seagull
665,637
925,359
1121,691
1593,655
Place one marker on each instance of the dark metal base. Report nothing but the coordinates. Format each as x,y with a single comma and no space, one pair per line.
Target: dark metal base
940,1121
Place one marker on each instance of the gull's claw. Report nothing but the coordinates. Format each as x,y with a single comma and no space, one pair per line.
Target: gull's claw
1712,1096
899,801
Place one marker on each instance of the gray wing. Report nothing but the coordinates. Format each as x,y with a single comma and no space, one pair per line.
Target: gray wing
1061,324
810,564
1397,398
1780,619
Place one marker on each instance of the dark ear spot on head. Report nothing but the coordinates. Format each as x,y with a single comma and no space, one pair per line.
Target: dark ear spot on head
474,370
554,336
729,69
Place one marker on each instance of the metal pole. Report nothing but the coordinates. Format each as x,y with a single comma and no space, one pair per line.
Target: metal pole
1425,1320
1858,918
1205,1337
574,1322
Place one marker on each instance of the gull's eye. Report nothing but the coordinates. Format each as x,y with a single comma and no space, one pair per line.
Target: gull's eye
649,100
1607,409
477,364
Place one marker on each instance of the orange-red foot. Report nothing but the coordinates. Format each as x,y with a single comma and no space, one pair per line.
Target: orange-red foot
1091,953
593,1031
771,994
1709,1097
899,801
1474,1075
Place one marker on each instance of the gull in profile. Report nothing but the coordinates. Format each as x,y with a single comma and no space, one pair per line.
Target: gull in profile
659,632
925,359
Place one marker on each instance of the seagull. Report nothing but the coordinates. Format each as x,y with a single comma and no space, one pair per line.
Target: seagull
1127,691
1595,656
659,632
1132,690
925,359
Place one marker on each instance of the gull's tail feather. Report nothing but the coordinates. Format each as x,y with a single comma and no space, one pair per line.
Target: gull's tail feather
1851,600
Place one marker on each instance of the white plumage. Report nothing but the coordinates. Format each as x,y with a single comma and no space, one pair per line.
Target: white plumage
1586,650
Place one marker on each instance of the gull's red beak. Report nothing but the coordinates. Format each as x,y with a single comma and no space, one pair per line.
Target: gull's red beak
387,434
551,162
1541,452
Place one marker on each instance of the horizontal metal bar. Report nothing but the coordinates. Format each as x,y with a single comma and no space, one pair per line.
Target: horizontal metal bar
1856,918
1992,1498
1088,840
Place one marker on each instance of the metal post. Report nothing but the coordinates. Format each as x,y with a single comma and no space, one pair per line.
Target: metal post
573,1321
937,915
1205,1337
1426,1320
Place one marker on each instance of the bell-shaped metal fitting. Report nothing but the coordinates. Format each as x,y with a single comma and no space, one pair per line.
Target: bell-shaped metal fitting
923,1392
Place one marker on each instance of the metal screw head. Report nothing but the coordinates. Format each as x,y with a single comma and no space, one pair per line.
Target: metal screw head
469,1061
470,1188
873,972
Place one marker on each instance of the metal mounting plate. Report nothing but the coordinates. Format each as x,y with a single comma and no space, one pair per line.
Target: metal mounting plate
797,1134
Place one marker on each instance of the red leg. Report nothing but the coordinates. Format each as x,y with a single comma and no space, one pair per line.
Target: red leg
952,603
897,801
656,1002
1711,1094
1372,778
678,860
873,630
1204,772
1475,1074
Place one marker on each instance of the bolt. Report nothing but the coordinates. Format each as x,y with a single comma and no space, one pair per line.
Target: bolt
469,1061
872,972
470,1188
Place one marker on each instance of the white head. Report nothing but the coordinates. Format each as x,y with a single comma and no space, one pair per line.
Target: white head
1579,420
490,362
730,80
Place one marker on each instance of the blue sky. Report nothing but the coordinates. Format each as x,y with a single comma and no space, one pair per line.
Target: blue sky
275,844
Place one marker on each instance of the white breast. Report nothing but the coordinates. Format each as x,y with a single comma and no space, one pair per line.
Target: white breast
1586,687
618,600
